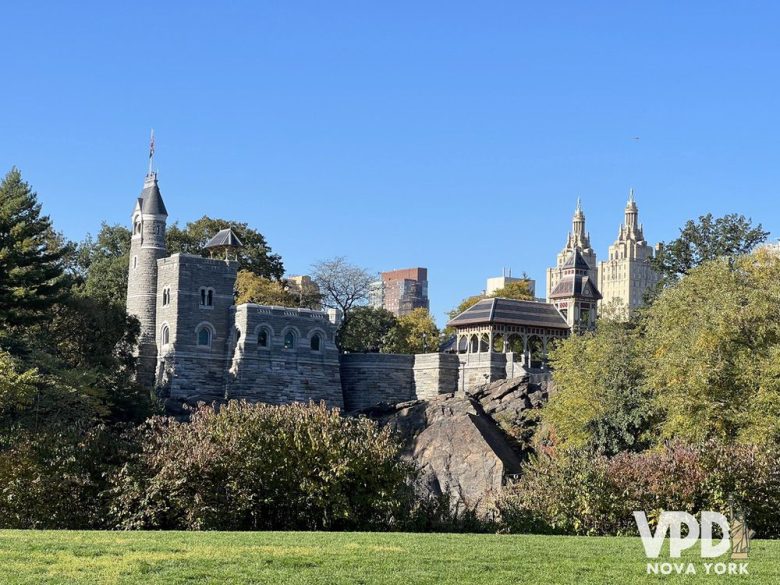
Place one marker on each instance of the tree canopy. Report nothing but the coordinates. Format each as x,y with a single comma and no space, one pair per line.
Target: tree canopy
343,286
367,331
415,332
600,402
706,239
255,256
713,347
31,262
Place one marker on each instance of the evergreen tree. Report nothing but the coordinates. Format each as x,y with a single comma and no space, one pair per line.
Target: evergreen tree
31,261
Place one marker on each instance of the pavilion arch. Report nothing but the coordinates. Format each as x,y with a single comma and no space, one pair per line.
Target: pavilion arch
515,343
463,344
536,354
498,343
474,343
484,343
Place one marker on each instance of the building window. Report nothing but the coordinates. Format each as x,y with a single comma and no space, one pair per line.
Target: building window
207,297
137,227
316,342
262,338
289,340
166,297
165,336
204,337
135,262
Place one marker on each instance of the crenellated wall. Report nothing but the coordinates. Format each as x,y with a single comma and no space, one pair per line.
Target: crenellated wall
266,369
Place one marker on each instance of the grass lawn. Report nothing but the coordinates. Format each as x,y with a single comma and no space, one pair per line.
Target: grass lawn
328,558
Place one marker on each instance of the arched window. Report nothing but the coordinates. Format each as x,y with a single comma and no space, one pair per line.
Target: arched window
316,342
289,340
262,338
165,335
204,337
206,297
166,297
137,227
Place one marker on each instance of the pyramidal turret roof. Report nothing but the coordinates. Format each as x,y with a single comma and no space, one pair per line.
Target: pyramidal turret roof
226,238
576,261
151,200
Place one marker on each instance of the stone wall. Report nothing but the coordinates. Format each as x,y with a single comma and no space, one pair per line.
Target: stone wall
264,368
477,369
434,374
371,378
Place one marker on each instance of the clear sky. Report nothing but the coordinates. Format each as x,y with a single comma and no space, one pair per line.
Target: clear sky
451,135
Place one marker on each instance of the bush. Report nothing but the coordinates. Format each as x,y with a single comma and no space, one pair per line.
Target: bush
56,478
255,466
578,493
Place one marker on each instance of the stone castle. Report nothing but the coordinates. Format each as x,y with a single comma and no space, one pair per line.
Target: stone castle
197,345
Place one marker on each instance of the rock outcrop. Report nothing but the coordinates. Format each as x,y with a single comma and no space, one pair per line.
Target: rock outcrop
466,444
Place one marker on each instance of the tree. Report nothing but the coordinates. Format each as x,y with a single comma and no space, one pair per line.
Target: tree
707,239
103,264
367,331
600,402
415,332
519,290
252,288
713,340
342,285
31,265
255,256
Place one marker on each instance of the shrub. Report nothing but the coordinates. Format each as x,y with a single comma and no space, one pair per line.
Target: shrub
579,493
255,466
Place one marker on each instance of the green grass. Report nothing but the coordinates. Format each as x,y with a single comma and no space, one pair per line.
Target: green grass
328,558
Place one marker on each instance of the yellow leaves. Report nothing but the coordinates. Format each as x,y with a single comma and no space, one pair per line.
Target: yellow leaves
705,338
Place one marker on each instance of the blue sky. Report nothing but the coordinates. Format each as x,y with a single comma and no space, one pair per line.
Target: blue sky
450,135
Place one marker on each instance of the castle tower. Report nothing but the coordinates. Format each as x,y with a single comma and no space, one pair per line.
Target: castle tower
146,247
628,273
577,239
575,295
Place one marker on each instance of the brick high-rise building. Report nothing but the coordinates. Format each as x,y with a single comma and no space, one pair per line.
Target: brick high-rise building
401,291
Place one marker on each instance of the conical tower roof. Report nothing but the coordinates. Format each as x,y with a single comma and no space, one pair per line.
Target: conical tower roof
151,200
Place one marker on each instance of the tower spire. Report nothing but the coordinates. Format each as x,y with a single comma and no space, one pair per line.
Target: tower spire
151,153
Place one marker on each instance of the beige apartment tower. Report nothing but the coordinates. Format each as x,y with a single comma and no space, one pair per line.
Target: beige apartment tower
628,272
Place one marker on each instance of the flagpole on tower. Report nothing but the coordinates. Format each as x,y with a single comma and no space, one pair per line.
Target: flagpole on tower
151,152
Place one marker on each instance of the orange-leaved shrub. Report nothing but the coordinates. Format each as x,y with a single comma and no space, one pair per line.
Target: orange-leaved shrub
256,466
577,492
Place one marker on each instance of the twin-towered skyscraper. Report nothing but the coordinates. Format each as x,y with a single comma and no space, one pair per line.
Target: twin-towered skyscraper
623,279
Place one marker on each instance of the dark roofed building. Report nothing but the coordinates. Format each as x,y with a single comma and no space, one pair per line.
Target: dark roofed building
575,295
498,325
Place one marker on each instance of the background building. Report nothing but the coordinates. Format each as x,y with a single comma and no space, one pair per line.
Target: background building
628,273
401,291
498,282
577,239
306,290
